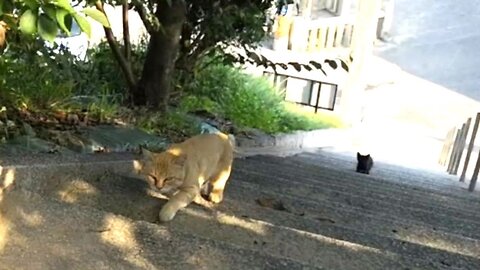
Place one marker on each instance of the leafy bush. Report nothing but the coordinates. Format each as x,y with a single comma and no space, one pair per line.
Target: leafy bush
297,119
34,77
33,82
192,103
248,101
101,69
176,125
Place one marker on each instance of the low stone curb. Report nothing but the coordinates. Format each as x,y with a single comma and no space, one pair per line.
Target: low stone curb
297,139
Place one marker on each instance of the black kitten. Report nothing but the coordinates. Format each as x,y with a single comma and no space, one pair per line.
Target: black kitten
365,163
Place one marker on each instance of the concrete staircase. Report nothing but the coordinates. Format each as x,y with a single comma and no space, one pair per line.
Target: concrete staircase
308,211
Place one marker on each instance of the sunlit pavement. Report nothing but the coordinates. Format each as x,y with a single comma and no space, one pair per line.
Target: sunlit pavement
406,118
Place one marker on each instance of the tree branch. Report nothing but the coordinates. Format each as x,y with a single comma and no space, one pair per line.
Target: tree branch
126,32
122,61
142,12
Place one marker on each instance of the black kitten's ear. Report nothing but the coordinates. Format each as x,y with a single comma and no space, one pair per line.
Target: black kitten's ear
368,156
358,155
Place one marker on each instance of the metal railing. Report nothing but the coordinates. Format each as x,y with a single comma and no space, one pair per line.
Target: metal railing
454,148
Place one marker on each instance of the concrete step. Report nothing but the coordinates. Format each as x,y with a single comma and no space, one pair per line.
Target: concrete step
347,179
317,198
467,224
309,240
345,223
421,178
129,197
303,236
39,233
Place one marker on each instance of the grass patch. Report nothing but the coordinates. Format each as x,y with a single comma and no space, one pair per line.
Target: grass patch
39,79
175,124
34,83
249,101
300,119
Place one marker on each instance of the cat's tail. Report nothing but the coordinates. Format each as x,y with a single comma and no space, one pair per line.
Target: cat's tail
233,143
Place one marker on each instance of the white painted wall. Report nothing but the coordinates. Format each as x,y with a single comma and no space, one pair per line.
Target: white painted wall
114,14
79,44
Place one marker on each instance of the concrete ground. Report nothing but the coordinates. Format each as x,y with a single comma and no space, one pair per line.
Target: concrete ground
302,211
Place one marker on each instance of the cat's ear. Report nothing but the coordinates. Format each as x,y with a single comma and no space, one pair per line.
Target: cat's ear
180,160
146,154
368,155
358,155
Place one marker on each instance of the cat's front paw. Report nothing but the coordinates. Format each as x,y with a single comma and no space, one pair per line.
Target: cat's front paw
167,213
215,197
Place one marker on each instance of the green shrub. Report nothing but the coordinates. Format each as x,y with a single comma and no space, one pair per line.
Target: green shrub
101,69
297,119
192,103
35,82
36,78
176,125
249,101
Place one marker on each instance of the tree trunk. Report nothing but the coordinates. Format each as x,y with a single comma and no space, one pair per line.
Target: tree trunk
156,80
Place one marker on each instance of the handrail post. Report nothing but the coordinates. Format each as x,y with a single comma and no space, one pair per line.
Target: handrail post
451,161
470,148
473,181
447,146
461,148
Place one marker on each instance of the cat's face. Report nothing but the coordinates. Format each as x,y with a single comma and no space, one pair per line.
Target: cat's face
164,171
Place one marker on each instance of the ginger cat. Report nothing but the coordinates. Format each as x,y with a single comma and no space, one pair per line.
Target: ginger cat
183,169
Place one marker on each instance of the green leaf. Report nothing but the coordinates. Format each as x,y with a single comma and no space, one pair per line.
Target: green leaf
83,24
50,10
331,63
6,7
11,22
32,4
65,4
296,65
47,28
97,15
28,22
344,65
64,21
